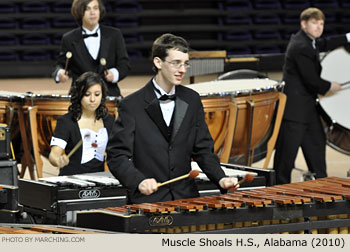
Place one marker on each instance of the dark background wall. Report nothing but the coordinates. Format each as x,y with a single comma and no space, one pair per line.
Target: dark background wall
30,31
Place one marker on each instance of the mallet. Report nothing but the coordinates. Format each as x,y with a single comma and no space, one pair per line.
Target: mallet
191,174
68,56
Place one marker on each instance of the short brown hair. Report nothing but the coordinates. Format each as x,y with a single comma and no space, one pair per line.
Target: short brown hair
79,7
166,42
310,13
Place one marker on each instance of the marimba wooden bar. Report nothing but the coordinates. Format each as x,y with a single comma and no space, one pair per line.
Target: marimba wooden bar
317,206
44,229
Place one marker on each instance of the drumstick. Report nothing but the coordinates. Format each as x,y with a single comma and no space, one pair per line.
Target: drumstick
191,174
103,63
247,178
68,56
77,146
345,83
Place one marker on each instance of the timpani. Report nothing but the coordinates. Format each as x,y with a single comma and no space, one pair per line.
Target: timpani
253,103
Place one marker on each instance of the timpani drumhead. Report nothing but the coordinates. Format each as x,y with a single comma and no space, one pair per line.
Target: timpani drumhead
234,87
334,107
336,67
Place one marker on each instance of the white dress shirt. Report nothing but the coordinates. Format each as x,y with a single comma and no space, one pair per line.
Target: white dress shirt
93,46
93,43
167,106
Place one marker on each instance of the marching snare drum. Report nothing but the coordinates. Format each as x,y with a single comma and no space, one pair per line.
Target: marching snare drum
334,114
255,101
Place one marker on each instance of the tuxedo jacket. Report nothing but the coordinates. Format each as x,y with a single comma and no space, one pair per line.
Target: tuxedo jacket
301,73
140,146
67,128
112,48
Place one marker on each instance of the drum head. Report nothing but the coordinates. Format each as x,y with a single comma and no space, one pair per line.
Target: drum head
336,67
234,87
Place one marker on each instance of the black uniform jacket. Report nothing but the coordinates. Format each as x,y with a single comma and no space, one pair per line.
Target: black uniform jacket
141,146
112,49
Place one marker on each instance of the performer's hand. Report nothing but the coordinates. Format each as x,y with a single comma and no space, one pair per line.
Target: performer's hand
335,86
229,183
148,186
62,161
109,76
62,76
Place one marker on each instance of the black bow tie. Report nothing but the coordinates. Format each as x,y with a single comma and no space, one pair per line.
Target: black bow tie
90,35
165,97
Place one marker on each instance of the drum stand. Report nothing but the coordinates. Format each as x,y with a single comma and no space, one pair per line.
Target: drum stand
249,153
27,159
282,98
227,145
306,175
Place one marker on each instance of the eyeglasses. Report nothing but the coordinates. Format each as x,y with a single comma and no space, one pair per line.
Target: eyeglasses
177,64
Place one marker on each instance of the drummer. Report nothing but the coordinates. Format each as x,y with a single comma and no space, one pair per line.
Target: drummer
301,125
160,129
92,47
87,122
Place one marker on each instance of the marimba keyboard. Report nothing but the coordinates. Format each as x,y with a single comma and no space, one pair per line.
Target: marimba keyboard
6,228
56,198
321,205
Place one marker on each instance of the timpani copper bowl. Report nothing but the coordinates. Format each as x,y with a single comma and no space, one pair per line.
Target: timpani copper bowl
239,113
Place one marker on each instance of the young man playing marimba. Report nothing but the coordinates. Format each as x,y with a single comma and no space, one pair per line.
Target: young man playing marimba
160,129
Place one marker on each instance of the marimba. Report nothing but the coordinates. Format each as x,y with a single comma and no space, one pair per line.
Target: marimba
58,199
55,200
317,206
6,228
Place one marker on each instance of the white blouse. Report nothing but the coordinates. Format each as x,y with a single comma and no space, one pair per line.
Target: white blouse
93,146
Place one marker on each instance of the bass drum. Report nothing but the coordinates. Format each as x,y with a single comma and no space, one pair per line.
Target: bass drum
334,107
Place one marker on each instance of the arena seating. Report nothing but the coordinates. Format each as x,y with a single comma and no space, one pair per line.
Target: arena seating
32,30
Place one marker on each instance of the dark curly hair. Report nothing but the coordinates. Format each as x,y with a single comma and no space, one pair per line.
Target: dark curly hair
78,90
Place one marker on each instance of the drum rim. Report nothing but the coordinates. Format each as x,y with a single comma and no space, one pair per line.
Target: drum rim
279,84
46,96
243,91
337,148
53,96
